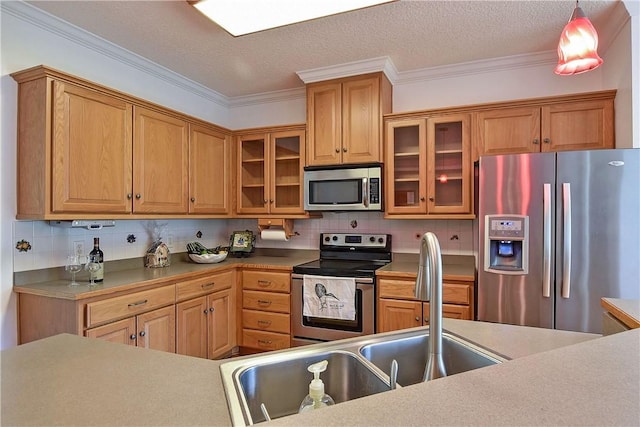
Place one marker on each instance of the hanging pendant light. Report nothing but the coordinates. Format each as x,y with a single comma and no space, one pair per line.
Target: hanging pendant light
577,49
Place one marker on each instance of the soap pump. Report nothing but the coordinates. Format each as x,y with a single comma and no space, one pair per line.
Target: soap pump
316,398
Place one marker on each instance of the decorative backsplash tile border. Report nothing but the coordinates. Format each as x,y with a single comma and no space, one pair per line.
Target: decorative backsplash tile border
50,245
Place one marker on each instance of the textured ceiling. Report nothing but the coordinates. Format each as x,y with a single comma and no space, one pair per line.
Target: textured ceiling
414,34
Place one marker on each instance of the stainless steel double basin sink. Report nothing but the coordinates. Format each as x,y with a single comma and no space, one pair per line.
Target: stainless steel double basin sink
357,367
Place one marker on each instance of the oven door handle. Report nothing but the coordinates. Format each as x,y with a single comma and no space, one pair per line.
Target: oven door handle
359,280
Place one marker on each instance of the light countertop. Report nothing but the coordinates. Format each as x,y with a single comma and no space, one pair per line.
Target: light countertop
557,378
625,310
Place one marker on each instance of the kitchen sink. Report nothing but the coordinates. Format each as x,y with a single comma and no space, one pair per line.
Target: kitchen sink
357,367
281,381
411,350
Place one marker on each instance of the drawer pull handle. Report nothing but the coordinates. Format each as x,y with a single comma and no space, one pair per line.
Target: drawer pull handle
208,285
265,342
135,304
264,322
264,302
264,283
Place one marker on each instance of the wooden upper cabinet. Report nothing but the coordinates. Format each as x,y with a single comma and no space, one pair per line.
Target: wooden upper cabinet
428,166
270,172
161,171
585,123
582,125
209,171
91,151
324,121
344,119
88,151
509,131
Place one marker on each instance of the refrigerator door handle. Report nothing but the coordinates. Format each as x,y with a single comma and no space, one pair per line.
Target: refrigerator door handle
566,240
546,256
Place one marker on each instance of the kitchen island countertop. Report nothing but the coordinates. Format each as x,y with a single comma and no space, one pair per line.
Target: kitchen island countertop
71,380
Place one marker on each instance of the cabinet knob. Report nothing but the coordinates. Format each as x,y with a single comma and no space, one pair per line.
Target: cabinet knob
205,311
417,319
270,200
547,140
536,141
344,149
138,196
193,199
431,199
133,336
337,150
211,309
265,201
142,333
129,196
422,199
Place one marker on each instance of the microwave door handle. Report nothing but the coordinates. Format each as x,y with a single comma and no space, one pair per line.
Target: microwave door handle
365,192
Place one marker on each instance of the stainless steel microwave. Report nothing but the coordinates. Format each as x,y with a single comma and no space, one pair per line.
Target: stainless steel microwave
343,188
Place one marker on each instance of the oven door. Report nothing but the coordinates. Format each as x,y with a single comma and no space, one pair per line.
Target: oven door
308,329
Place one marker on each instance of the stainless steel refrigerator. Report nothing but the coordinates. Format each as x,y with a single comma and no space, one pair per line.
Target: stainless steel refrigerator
558,231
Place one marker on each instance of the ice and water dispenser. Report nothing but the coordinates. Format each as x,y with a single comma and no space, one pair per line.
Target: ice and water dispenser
506,244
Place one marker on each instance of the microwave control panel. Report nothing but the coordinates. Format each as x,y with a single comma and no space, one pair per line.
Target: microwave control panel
374,190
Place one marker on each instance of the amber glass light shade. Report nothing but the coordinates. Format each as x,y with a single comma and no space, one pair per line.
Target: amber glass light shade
577,49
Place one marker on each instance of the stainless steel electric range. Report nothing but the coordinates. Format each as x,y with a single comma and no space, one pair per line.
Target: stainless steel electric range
348,255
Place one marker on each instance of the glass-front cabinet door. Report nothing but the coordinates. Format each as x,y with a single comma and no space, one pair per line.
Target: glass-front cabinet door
286,189
405,163
252,179
270,172
449,167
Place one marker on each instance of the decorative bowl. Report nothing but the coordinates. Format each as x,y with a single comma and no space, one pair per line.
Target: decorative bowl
208,258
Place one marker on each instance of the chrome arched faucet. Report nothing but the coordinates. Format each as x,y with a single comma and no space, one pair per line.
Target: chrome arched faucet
429,288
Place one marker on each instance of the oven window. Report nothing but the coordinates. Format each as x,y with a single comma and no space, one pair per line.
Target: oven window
338,324
335,192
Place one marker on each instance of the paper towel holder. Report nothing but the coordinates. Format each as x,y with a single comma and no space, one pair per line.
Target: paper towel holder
284,223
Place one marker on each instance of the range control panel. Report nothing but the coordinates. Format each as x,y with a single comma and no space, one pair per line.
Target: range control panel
354,240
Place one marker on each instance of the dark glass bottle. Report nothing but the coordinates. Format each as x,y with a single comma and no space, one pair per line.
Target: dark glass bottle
98,256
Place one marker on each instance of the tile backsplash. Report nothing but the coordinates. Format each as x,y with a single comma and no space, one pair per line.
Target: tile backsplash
49,244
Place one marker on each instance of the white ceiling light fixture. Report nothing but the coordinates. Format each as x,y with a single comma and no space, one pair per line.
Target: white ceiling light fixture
240,17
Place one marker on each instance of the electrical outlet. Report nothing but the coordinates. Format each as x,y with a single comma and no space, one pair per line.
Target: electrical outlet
78,248
170,241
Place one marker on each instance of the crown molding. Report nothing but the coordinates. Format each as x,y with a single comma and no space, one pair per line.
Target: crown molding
478,67
61,28
354,68
268,97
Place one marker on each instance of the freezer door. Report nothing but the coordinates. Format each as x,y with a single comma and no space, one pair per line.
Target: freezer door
598,244
514,185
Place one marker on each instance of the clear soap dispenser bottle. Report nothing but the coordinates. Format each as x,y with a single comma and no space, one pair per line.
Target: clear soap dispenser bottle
316,398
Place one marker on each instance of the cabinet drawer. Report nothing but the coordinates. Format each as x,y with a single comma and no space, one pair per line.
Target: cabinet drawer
457,293
128,305
401,289
266,281
267,301
204,285
266,321
454,293
265,340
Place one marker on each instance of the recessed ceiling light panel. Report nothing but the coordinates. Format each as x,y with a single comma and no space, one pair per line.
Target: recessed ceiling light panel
240,17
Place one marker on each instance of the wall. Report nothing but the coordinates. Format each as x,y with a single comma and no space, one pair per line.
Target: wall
29,37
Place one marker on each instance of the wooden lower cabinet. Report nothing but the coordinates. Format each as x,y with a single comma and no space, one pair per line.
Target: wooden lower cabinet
154,330
398,314
206,325
266,310
398,308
